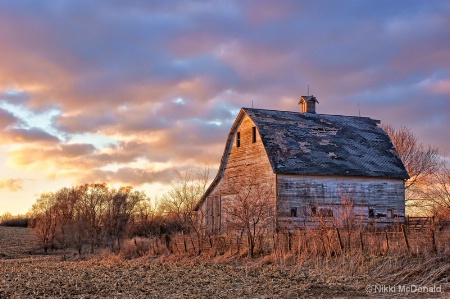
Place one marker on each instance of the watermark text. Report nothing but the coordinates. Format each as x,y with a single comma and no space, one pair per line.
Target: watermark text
412,288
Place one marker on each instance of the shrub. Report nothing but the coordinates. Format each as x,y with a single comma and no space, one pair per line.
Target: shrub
16,222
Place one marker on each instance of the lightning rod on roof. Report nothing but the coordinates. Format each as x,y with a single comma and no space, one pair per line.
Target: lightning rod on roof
252,103
308,89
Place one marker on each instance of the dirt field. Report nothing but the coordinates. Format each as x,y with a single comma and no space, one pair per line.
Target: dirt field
108,276
16,242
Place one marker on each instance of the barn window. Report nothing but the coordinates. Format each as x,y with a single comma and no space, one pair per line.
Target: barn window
371,212
238,139
293,212
389,214
253,134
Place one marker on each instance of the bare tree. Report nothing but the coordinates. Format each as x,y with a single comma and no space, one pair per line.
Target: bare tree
6,216
178,204
435,192
119,212
186,190
251,210
94,202
90,214
144,216
44,220
64,210
420,160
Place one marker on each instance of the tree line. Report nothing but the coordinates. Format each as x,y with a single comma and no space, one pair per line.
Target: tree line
91,216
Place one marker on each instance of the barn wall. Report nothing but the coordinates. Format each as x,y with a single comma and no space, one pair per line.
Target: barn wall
246,165
328,193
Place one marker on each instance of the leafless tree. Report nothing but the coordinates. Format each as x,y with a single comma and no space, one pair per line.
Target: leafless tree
94,203
5,217
186,190
177,205
44,220
435,192
420,160
120,207
64,210
90,214
144,217
250,210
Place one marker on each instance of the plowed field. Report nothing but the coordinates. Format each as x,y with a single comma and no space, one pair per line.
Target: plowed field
108,276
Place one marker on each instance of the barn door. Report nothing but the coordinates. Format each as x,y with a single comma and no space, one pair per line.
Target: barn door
217,213
213,212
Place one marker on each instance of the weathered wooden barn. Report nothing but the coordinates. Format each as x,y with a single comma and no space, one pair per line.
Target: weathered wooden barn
320,168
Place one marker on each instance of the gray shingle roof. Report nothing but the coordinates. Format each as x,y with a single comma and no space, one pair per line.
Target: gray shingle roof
319,144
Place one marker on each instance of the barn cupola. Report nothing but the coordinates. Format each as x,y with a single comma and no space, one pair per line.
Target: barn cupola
308,104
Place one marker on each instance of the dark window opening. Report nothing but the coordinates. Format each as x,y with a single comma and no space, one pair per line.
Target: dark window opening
293,212
238,139
253,134
371,213
313,211
389,213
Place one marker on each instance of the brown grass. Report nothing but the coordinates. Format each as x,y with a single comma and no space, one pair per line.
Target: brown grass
178,276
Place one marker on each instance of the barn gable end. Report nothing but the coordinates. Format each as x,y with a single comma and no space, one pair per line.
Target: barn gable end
244,161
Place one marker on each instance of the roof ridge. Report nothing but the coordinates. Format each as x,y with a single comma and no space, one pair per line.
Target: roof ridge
297,112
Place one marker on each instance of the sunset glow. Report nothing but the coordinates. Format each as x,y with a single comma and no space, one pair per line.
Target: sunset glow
129,92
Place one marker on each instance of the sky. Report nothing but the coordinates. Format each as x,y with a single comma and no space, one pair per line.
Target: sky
129,92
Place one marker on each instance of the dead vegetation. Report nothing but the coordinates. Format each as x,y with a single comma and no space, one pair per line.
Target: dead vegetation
172,277
275,275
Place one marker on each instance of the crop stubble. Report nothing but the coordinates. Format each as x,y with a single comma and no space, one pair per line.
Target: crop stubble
110,276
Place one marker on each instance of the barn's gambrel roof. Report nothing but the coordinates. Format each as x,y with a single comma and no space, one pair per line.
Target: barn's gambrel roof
319,144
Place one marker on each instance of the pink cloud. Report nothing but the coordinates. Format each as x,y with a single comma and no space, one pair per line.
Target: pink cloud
440,86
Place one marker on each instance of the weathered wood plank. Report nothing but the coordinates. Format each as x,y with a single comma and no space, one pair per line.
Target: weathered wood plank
338,194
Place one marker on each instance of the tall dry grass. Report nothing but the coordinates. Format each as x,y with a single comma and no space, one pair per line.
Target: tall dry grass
357,256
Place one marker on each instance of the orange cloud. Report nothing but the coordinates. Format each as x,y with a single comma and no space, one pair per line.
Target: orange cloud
12,184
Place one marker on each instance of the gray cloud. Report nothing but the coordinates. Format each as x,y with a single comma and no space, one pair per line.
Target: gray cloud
32,135
6,119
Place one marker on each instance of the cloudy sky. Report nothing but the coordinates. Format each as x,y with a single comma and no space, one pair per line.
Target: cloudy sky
126,92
